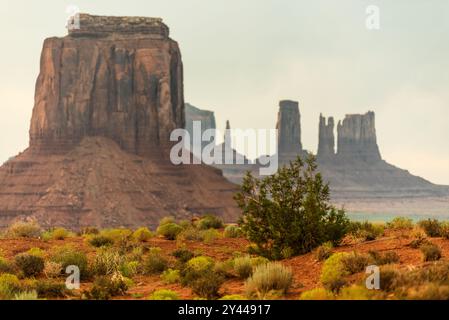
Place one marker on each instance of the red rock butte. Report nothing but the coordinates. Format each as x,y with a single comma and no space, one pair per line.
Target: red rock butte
107,98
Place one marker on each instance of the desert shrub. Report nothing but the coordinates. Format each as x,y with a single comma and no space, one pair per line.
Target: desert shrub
5,266
190,234
333,272
389,278
324,251
98,241
89,231
365,231
195,268
30,265
380,259
26,295
52,269
400,223
225,268
163,294
419,238
356,292
106,287
56,234
68,256
9,285
38,252
289,209
210,222
155,263
171,276
130,269
243,267
207,285
269,277
51,289
429,291
209,235
355,262
118,236
431,252
317,294
169,231
142,235
183,255
431,227
167,220
233,297
232,232
107,262
22,229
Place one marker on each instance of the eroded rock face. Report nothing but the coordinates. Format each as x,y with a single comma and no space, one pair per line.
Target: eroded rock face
289,130
205,117
326,143
115,77
357,138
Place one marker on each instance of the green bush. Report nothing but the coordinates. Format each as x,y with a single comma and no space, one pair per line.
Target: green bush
155,263
380,259
195,268
130,269
190,234
356,292
107,262
232,232
142,235
163,294
98,241
183,255
289,209
38,252
355,262
333,272
207,285
365,231
317,294
30,265
324,251
267,278
209,235
107,287
169,231
23,229
431,227
56,234
431,252
400,223
210,222
171,276
5,266
68,256
51,289
9,286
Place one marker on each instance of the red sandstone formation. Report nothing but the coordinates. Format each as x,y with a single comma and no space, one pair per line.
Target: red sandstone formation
107,98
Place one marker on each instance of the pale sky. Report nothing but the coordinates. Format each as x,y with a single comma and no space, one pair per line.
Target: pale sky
242,56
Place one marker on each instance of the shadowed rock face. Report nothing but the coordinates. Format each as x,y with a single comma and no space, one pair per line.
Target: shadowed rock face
289,130
205,117
357,138
126,85
326,144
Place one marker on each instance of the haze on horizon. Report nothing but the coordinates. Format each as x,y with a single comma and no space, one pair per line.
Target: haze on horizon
242,57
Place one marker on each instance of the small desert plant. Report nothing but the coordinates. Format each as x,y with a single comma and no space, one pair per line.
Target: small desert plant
333,272
400,223
183,255
130,269
190,234
209,235
232,232
50,289
98,241
233,297
171,276
68,256
169,231
107,262
196,268
52,269
9,285
419,238
163,294
317,294
155,263
38,252
365,231
5,266
56,234
142,235
269,277
89,231
431,252
207,285
22,229
431,227
355,292
355,262
106,287
324,251
26,295
389,278
243,267
210,222
30,265
225,268
384,258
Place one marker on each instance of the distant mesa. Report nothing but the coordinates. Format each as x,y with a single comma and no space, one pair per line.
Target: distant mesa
107,98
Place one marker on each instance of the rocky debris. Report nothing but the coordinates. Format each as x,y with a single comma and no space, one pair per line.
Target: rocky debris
100,134
326,143
127,87
289,130
357,138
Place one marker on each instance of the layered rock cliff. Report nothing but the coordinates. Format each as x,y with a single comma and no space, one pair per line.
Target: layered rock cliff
107,98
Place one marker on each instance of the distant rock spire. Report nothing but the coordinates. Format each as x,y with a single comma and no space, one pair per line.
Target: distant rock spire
227,136
326,144
289,129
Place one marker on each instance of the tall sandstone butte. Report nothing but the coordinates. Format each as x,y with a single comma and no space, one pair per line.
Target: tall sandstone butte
326,141
289,130
107,98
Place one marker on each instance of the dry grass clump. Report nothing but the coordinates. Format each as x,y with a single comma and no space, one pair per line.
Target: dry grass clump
267,278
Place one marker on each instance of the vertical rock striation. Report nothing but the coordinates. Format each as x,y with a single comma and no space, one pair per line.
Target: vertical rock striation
357,138
326,143
289,130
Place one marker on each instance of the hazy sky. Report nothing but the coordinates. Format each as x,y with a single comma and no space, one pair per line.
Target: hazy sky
242,56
